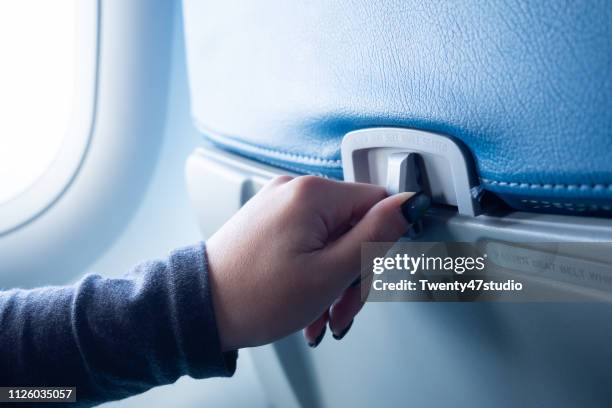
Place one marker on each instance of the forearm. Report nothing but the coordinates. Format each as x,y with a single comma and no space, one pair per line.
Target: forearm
112,338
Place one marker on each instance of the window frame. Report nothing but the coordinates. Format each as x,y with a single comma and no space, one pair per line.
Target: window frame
44,192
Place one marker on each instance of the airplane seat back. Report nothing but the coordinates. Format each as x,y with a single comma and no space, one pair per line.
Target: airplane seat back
526,86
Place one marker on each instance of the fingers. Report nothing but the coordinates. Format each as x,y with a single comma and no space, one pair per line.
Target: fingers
344,310
339,316
384,222
315,331
352,214
338,203
347,203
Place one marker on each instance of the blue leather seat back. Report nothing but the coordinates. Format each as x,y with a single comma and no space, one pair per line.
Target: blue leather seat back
526,85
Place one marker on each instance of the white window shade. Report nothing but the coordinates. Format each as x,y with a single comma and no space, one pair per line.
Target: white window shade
47,91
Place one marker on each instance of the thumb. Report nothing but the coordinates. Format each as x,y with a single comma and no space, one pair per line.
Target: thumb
386,221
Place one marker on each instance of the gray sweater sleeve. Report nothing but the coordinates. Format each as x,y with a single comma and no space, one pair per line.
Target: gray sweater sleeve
112,338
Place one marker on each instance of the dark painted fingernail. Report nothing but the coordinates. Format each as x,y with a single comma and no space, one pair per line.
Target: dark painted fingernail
356,282
340,335
414,208
318,339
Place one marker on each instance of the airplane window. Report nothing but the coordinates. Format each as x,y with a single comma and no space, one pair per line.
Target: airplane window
37,75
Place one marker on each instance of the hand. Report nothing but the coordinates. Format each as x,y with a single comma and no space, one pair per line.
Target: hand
286,260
